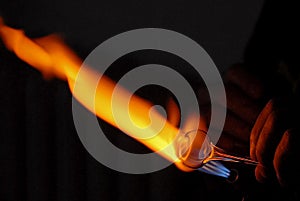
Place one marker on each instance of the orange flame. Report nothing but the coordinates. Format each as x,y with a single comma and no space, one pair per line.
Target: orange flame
53,58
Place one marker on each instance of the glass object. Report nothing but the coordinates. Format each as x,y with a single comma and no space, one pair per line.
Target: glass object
195,149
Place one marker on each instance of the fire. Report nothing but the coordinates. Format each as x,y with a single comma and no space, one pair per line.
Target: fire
53,58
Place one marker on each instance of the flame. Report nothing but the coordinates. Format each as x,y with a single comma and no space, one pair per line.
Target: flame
53,58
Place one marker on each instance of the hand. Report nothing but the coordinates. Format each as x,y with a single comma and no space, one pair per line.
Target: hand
245,95
275,144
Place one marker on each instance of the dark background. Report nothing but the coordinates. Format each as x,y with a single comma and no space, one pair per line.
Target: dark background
41,156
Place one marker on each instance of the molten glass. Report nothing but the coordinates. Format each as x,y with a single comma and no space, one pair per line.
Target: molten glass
195,150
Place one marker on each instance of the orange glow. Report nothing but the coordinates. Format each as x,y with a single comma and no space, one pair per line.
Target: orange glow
53,58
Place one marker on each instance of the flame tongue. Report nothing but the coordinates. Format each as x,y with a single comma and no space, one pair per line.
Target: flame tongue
53,58
112,103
